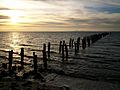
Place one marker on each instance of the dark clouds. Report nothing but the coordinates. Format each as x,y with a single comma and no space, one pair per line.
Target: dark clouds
105,8
3,20
4,17
2,8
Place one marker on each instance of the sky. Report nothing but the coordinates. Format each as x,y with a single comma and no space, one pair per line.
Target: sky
59,15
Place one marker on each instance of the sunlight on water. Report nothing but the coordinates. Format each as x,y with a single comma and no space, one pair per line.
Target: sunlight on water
34,41
15,40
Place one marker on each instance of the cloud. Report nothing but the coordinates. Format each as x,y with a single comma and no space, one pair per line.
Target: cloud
4,17
2,8
103,8
101,21
73,14
3,20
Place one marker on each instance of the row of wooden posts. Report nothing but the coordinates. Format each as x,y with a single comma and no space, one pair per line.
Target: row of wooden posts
86,41
34,59
63,50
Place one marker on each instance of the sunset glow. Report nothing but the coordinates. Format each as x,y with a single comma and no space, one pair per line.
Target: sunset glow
59,15
14,17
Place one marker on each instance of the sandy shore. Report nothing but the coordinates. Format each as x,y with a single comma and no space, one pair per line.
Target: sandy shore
56,82
29,84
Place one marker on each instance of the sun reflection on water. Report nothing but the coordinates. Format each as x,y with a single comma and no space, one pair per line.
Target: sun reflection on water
15,40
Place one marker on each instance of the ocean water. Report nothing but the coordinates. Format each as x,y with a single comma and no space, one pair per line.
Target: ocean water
33,41
101,59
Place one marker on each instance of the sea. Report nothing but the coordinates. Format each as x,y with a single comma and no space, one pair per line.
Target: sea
100,61
33,41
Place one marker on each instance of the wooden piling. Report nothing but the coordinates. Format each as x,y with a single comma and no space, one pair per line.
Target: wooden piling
66,50
84,43
33,57
33,54
70,42
78,44
22,57
60,46
44,56
10,61
63,51
14,67
49,50
75,48
35,63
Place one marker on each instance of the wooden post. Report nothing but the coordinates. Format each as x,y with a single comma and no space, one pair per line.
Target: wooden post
63,50
33,57
60,46
84,43
66,49
22,57
75,48
78,44
70,42
44,56
14,68
10,61
33,54
49,50
35,63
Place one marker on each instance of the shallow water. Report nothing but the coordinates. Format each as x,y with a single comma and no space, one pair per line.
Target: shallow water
33,41
100,59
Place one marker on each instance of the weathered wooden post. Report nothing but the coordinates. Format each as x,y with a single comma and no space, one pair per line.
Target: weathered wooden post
63,50
78,44
14,67
33,57
70,42
84,43
44,56
49,50
33,54
75,48
66,49
22,57
60,46
10,61
35,63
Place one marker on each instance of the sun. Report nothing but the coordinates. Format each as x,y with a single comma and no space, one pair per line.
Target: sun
15,17
14,13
